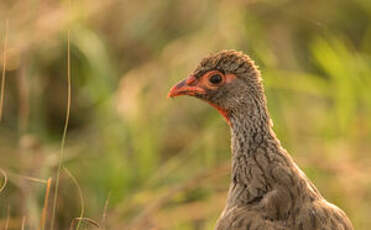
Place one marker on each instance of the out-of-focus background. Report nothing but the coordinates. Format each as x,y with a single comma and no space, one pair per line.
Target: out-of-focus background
142,161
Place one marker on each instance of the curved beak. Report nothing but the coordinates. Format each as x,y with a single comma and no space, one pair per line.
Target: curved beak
186,87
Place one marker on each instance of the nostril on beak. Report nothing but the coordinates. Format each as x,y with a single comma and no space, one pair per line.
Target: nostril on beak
180,84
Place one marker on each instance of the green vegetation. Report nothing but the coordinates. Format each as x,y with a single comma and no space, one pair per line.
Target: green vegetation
142,160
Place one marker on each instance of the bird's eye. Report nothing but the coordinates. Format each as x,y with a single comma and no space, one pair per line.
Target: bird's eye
215,79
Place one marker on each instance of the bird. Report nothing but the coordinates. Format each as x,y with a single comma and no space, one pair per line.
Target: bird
268,191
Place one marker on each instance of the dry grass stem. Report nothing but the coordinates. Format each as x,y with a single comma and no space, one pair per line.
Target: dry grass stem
80,195
5,180
60,160
28,178
23,222
4,69
104,216
83,219
45,207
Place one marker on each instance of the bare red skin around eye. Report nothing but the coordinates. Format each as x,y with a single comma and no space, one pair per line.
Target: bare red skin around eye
226,79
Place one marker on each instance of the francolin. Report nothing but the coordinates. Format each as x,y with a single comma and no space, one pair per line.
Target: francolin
268,191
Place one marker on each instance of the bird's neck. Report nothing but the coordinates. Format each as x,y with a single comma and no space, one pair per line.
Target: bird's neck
259,163
254,151
252,139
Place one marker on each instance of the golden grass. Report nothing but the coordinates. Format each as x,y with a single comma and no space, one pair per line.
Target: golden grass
28,178
82,204
45,207
85,220
5,180
23,222
61,155
4,68
104,215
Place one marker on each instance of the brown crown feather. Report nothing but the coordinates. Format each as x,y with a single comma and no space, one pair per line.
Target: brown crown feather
228,61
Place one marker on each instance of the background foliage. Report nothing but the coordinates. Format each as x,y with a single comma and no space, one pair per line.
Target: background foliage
145,162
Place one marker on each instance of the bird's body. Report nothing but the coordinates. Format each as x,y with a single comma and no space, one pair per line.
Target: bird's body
268,191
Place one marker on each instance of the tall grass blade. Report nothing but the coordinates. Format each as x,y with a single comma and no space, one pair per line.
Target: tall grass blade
45,208
4,70
23,222
61,155
5,180
82,210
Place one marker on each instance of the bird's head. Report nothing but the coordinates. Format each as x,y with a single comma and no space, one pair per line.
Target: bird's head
228,80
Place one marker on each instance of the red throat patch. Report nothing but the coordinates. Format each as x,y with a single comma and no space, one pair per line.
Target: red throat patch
223,112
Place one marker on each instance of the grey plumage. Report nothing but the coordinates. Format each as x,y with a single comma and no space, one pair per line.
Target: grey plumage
268,190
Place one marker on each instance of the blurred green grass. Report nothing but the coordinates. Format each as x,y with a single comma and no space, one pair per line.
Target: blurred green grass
163,164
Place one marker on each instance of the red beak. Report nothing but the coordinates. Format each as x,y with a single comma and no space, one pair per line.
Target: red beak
186,87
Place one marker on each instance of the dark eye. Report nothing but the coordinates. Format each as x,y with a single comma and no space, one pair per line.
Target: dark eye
215,79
